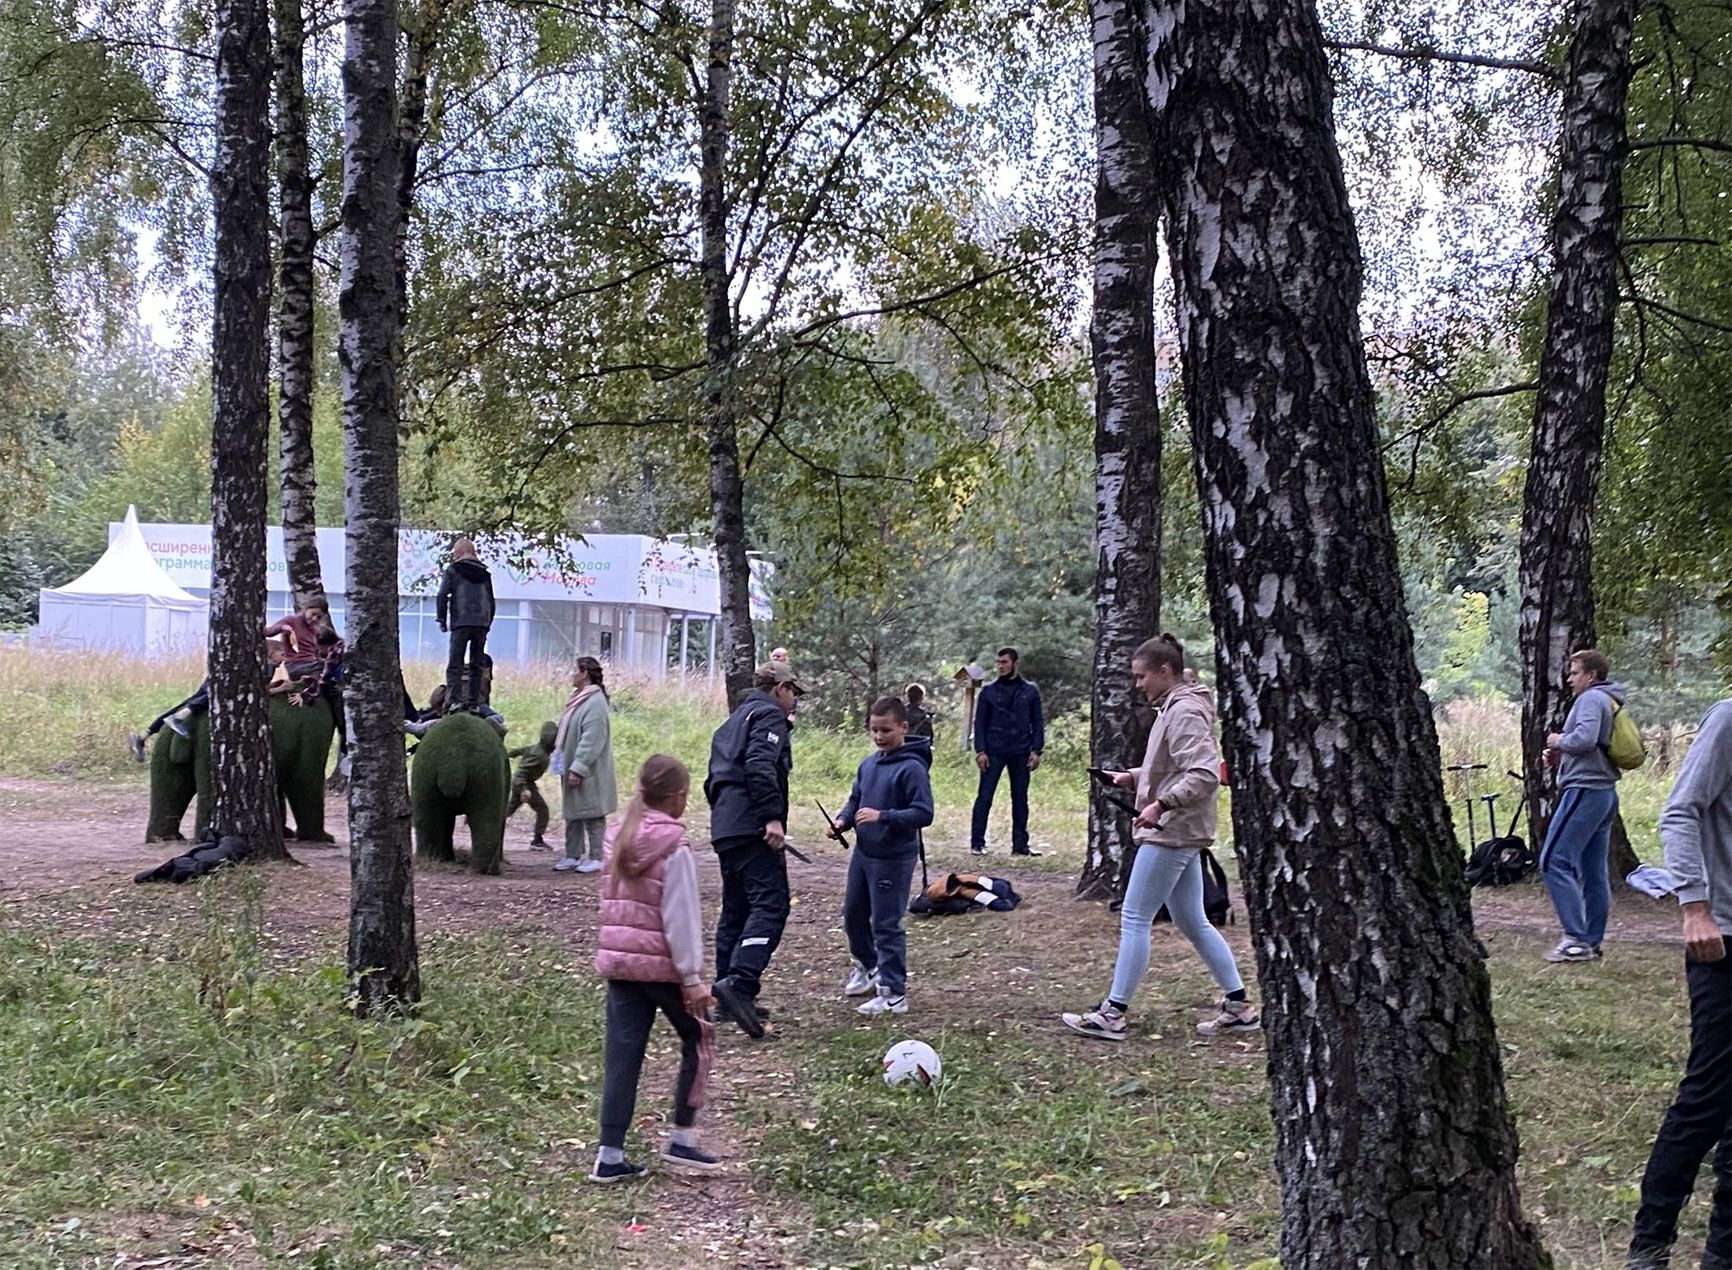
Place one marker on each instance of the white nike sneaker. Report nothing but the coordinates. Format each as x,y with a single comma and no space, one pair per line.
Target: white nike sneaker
861,981
884,1003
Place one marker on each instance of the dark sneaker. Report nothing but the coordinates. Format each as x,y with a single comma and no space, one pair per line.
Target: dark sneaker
721,1013
977,849
135,740
1103,1022
690,1158
1028,851
1653,1259
741,1009
1570,950
539,844
624,1171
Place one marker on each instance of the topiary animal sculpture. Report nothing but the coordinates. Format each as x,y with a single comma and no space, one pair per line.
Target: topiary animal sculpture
460,768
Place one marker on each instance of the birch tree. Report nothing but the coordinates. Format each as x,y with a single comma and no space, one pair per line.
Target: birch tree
243,772
1127,415
1394,1142
384,968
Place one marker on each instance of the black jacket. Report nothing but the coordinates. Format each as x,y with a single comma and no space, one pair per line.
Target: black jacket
1007,718
919,721
466,594
750,758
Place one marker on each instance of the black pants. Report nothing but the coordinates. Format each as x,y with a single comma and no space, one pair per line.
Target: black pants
754,910
1017,767
631,1012
474,639
1698,1123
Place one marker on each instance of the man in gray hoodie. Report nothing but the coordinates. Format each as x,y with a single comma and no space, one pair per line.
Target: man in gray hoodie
1696,830
1573,861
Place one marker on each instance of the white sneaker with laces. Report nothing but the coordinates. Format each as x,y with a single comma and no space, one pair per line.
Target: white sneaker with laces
589,866
884,1003
1234,1016
565,864
1102,1022
861,981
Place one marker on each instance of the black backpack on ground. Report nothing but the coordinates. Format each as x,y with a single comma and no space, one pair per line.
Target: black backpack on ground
1217,899
1500,862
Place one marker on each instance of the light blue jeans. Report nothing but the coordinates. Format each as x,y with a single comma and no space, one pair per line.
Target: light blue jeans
1172,876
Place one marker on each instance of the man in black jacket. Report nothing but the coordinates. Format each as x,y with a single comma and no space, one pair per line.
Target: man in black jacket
466,611
1009,735
750,758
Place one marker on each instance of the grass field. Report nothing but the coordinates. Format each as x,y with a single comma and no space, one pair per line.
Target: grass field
179,1086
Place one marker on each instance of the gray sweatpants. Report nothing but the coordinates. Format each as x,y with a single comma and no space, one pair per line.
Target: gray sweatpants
582,834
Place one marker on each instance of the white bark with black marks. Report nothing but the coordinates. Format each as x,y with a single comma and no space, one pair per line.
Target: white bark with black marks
1394,1142
1556,569
297,482
1127,415
243,772
383,964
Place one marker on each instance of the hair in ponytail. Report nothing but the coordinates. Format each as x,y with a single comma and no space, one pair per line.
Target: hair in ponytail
660,782
593,668
1162,650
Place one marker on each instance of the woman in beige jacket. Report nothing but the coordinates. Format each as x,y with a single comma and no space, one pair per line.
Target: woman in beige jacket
1175,820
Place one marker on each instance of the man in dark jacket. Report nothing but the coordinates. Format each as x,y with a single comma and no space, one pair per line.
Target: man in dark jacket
466,611
1009,735
751,756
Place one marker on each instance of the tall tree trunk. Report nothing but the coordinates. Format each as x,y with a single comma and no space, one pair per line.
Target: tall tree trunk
1127,415
412,124
242,769
383,964
1556,571
1394,1144
295,311
721,424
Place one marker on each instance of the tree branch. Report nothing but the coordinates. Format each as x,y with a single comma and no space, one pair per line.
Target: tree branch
1698,143
1422,53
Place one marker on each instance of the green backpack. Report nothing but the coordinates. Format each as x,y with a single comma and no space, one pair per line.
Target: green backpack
1624,747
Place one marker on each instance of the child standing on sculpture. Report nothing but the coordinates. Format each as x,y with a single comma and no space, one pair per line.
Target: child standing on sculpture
650,949
532,765
583,742
465,609
890,804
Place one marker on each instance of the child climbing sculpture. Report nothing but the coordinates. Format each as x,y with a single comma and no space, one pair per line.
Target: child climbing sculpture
465,607
532,764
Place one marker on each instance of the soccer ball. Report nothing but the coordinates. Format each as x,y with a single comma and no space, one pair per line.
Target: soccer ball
911,1061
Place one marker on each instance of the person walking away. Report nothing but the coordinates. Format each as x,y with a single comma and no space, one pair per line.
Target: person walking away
650,950
1175,798
1009,735
532,764
919,718
890,804
1573,860
1696,831
751,755
583,740
465,609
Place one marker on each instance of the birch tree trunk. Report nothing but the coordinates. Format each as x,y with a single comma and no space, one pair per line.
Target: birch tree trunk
1556,569
1394,1143
297,482
243,772
383,964
1127,414
721,424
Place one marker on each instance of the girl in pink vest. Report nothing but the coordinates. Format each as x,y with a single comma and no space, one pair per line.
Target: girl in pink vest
650,949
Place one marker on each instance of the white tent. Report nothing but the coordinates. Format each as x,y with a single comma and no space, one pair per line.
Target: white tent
124,602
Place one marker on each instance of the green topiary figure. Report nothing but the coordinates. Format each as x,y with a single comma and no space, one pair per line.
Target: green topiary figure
460,768
300,743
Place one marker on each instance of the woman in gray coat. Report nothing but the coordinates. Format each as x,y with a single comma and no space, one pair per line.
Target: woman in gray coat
584,747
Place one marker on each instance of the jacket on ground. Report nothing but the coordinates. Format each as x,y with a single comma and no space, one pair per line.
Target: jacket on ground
651,926
466,595
1181,769
895,783
750,758
1007,718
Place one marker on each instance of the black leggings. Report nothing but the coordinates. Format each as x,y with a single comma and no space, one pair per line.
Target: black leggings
631,1011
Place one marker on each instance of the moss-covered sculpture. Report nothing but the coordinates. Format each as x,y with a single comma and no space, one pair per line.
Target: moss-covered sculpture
300,742
460,768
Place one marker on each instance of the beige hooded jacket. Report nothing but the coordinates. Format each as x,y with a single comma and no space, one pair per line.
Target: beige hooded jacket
1182,769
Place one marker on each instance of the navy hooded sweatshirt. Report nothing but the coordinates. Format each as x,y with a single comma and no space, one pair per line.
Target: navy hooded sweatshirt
895,782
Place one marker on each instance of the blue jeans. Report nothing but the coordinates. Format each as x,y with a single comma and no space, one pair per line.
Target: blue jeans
1573,862
1017,766
872,909
1172,876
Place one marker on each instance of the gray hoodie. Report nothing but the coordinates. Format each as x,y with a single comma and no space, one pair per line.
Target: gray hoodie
1696,827
1582,762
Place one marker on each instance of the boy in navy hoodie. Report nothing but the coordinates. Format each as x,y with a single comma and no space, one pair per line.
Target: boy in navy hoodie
890,804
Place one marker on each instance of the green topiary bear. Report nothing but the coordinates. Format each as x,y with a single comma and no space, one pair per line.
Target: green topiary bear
460,768
300,743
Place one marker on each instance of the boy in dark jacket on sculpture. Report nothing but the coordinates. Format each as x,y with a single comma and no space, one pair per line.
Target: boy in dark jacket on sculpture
890,804
465,609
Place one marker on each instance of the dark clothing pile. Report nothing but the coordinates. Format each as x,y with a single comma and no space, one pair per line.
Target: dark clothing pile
751,756
963,893
1007,719
210,854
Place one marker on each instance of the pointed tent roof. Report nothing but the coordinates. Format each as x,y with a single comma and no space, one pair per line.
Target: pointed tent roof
127,570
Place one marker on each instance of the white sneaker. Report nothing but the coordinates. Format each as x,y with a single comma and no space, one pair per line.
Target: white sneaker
589,866
884,1003
565,864
1234,1016
861,981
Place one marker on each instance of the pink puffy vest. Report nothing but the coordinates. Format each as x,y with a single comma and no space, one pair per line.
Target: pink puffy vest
631,943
